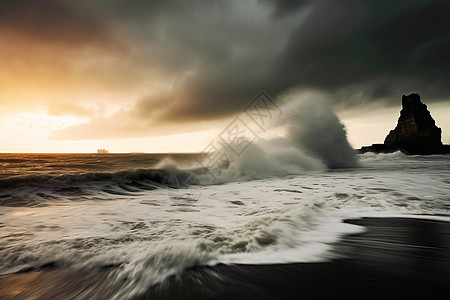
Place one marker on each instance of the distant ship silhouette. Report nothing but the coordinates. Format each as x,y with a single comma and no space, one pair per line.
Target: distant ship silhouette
102,151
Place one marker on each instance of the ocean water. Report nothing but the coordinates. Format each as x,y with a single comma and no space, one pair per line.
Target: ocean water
154,215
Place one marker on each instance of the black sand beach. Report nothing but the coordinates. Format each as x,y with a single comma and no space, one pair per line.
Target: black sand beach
396,258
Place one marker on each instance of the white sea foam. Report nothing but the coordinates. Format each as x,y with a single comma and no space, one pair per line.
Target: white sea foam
314,140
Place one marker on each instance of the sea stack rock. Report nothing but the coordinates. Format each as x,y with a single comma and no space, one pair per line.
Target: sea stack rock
416,131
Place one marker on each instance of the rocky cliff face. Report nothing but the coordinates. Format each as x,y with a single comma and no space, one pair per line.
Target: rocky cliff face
415,133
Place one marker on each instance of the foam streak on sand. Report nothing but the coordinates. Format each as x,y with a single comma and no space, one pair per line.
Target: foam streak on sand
381,263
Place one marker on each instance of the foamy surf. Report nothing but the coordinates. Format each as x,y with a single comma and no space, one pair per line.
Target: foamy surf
148,236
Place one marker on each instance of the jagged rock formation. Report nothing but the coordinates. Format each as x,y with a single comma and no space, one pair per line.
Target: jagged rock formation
415,133
416,130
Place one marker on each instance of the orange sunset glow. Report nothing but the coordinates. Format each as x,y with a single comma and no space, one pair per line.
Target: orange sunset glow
72,81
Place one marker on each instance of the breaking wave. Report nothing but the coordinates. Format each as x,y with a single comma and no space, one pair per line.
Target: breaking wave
311,139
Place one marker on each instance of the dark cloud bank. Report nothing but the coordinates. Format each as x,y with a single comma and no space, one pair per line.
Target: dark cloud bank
216,55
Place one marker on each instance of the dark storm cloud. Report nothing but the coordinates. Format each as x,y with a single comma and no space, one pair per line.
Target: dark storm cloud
285,7
50,21
383,47
216,55
374,49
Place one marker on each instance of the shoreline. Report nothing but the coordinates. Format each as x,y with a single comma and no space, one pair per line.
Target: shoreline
401,258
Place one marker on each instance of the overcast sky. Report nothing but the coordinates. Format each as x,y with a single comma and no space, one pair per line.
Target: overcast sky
78,74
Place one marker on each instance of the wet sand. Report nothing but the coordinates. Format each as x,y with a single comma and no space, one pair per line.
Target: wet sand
396,258
52,283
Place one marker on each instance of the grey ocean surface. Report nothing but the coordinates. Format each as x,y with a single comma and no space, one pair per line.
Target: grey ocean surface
87,212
